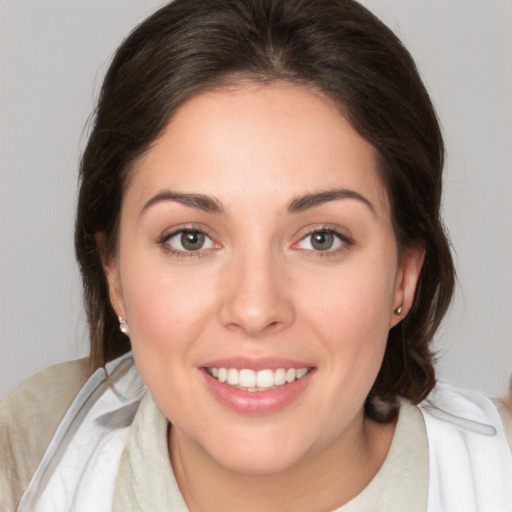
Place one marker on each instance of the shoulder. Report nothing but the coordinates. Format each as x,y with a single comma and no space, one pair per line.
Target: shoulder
467,444
504,408
470,406
28,419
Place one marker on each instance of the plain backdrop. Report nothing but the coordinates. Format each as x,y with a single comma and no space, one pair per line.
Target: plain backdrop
53,55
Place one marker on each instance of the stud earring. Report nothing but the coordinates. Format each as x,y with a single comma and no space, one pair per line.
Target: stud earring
123,326
398,310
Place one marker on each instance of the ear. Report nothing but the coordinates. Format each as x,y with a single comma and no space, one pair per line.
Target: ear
111,269
406,281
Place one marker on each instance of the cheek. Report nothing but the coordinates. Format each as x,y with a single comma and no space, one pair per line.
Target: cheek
358,302
160,302
351,312
164,315
167,310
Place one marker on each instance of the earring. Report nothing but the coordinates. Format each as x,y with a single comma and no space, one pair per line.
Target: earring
123,326
398,310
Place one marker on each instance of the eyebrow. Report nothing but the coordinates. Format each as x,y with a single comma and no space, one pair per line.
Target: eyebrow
298,204
301,203
198,201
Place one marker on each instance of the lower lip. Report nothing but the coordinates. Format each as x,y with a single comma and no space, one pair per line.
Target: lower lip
256,402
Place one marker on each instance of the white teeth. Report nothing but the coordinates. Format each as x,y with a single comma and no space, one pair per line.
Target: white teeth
247,378
223,375
261,380
265,379
290,375
233,377
280,377
301,372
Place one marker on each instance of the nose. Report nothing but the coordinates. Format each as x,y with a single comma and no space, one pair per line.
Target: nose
257,296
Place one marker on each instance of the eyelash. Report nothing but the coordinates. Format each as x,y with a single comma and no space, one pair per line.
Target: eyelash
164,239
345,242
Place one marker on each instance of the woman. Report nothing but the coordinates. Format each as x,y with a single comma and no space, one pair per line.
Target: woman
264,268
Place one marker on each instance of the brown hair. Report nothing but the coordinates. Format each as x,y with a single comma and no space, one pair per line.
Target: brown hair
335,46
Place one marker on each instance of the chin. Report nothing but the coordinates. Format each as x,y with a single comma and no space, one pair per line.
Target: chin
262,463
259,453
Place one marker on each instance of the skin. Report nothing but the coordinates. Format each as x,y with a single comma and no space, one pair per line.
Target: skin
259,288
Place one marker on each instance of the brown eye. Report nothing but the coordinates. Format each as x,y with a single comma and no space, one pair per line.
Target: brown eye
192,240
322,240
187,241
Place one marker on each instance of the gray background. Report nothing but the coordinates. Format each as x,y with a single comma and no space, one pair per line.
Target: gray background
52,57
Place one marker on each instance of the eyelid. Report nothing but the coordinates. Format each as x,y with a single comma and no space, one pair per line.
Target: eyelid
342,234
169,233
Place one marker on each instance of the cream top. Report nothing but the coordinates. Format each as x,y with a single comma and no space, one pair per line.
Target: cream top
145,481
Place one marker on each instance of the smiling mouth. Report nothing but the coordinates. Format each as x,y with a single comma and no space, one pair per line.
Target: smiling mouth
261,380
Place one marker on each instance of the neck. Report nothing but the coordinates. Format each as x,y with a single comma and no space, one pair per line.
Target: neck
324,480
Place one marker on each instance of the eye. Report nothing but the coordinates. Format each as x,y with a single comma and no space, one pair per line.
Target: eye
324,240
187,240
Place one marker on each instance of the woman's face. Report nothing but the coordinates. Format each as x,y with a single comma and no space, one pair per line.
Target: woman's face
256,245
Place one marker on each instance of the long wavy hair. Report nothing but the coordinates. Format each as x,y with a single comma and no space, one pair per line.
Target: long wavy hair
335,46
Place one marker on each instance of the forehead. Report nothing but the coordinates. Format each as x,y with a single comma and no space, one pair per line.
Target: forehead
271,140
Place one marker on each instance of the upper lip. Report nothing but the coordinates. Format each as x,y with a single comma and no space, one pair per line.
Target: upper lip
261,363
